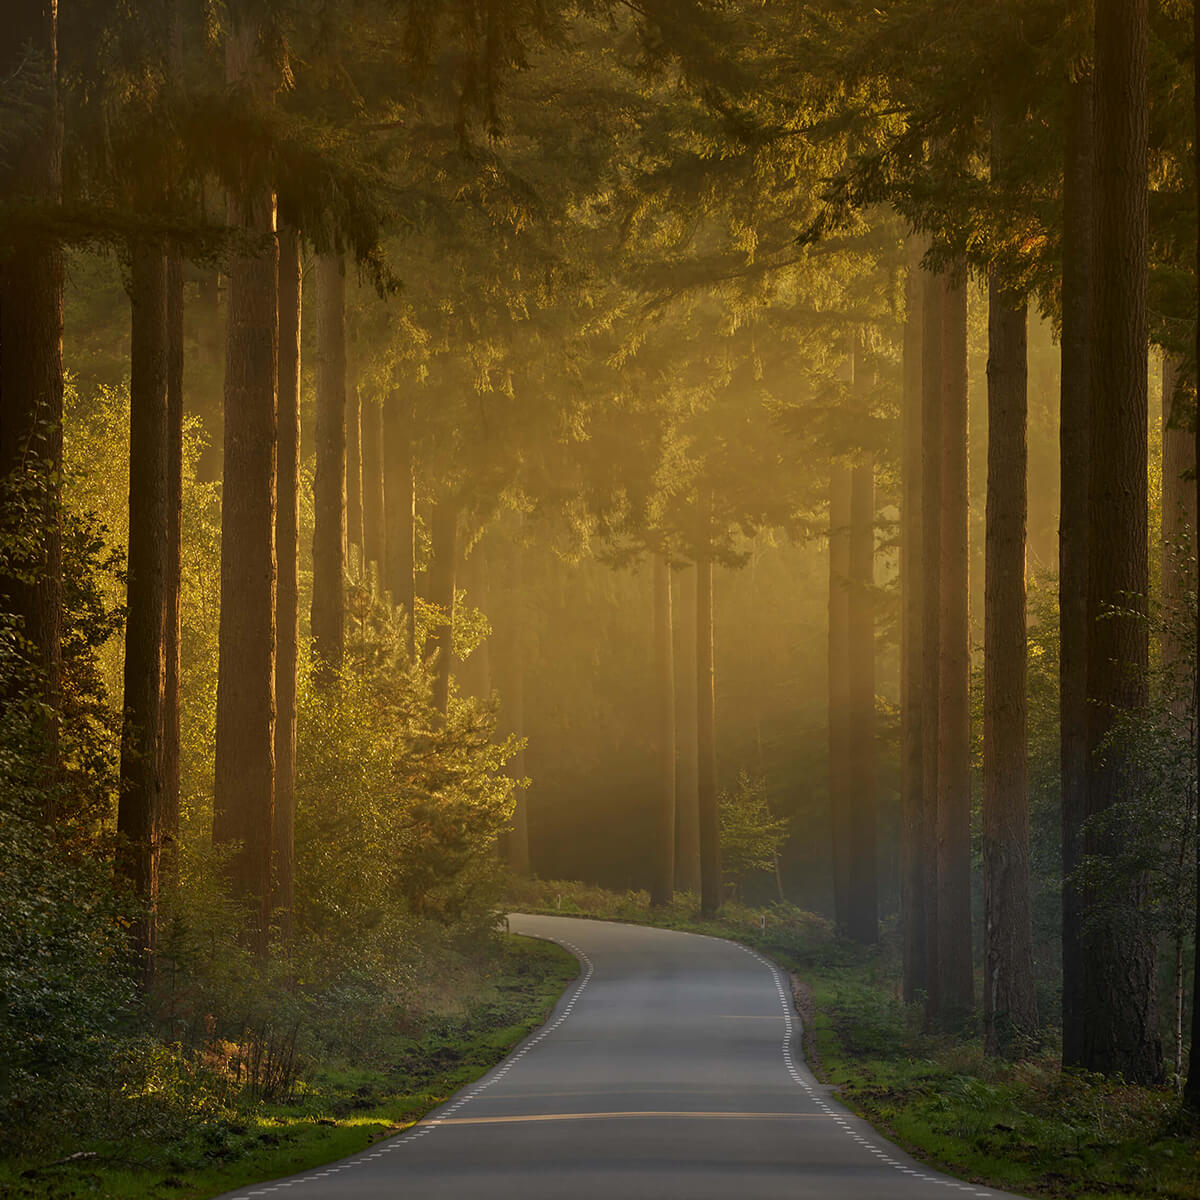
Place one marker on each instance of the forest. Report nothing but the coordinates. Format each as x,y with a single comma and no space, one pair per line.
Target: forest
739,455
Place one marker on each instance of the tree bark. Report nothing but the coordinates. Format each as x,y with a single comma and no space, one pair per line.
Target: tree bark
31,375
664,669
1191,1089
687,804
510,659
862,917
140,802
1120,1016
1074,454
244,790
400,512
329,483
956,981
172,615
706,742
934,289
1009,999
354,478
287,597
1178,530
372,487
912,877
840,799
444,546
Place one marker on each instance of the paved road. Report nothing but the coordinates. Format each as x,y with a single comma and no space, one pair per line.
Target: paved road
670,1070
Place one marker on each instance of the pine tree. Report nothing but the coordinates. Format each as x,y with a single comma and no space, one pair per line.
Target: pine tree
329,485
31,372
244,789
1118,982
664,671
1009,1001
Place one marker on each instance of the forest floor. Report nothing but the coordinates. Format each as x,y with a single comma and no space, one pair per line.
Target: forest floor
1022,1127
338,1109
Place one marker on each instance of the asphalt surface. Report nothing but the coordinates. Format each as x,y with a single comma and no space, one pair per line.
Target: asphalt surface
671,1069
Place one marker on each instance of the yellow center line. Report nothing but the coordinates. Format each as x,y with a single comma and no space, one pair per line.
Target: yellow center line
605,1116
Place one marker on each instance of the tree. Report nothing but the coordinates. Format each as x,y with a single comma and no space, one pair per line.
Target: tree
912,815
140,807
355,544
1009,1001
287,593
664,670
443,531
1075,453
244,789
687,812
31,373
399,500
931,624
1118,957
1191,1092
841,798
329,485
862,915
706,737
374,534
956,980
172,605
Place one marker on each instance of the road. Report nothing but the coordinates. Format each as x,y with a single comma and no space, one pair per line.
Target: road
671,1069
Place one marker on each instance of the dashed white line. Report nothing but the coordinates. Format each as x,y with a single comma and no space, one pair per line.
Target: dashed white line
838,1120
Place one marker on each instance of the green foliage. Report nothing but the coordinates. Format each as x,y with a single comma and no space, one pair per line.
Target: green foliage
751,837
1029,1128
66,992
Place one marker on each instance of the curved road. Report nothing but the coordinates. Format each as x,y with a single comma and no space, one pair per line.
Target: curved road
670,1070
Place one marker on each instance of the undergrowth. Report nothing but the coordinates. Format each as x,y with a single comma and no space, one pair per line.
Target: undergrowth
338,1104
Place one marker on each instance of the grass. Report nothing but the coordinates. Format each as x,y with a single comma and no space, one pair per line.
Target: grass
1025,1128
339,1108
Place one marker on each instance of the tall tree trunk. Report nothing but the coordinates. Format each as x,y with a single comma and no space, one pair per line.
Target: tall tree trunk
687,804
1120,1025
329,482
31,376
287,597
399,498
444,545
956,980
372,487
1009,999
706,740
172,615
140,804
862,916
1074,455
931,617
912,876
172,600
664,670
510,661
354,480
244,789
840,800
1191,1090
1178,529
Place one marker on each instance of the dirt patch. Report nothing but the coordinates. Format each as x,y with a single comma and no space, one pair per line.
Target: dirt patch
802,999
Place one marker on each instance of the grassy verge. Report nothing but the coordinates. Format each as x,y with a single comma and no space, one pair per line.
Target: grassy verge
339,1108
1025,1128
